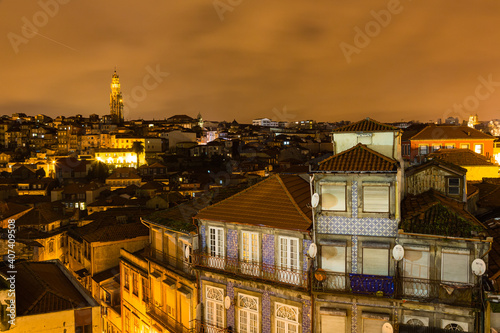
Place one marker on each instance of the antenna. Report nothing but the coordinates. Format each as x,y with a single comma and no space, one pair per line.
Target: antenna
387,328
398,252
315,200
478,267
313,250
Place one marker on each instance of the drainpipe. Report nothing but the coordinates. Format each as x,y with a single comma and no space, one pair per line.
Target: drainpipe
313,210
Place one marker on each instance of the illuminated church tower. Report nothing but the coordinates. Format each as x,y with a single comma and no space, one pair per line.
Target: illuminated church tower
116,100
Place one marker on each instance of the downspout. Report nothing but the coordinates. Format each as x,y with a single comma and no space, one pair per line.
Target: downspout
313,210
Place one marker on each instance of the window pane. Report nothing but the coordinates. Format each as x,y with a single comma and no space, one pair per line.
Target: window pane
376,199
416,264
333,197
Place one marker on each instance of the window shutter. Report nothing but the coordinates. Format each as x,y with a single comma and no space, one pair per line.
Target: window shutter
455,266
332,323
375,261
333,258
376,199
371,325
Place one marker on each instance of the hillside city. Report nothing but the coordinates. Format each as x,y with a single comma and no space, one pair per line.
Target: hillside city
184,224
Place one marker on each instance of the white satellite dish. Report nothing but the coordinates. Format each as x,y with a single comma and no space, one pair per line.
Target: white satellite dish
227,302
315,200
187,252
312,251
398,252
387,328
478,267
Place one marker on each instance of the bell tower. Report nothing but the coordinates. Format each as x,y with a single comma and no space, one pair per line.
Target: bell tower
116,99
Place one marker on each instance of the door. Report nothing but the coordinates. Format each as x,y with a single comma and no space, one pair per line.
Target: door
250,264
289,260
216,248
416,273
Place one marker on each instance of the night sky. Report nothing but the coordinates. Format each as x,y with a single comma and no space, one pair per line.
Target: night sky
241,59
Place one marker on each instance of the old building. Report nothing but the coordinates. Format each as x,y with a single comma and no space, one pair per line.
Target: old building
253,262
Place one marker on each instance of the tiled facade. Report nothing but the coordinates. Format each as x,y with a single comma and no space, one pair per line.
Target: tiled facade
365,226
232,243
268,249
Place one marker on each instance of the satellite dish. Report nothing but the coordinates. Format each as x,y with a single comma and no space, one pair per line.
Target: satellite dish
187,252
387,328
398,252
227,302
312,251
478,267
315,200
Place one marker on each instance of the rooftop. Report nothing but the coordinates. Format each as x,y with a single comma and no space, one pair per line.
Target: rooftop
366,125
450,132
357,159
463,157
279,201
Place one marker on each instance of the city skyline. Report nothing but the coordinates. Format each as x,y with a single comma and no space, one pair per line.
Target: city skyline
389,60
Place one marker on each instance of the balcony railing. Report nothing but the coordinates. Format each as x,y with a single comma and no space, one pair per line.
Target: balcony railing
355,283
431,291
253,270
202,327
178,263
166,320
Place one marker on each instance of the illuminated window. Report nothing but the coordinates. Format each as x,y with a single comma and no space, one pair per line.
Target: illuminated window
478,148
248,314
215,307
423,150
287,318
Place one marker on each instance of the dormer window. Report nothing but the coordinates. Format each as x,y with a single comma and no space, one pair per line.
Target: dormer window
453,186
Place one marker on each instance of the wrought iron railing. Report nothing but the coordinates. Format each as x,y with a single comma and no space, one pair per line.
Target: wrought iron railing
202,327
253,270
452,293
166,320
178,263
432,291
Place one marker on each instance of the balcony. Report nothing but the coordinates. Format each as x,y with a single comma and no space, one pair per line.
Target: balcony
202,327
175,263
253,270
430,291
166,320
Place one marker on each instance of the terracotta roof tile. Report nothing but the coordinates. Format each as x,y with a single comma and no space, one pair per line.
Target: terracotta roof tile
463,157
433,213
279,201
447,132
366,125
358,158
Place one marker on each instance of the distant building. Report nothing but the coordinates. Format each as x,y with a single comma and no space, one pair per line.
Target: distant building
264,122
116,99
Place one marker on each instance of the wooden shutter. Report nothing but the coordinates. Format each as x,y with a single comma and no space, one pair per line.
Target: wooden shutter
331,323
376,199
371,325
375,261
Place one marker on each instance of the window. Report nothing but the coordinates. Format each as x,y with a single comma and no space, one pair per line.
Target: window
287,318
436,147
454,325
51,246
333,258
135,284
464,146
478,148
250,252
248,313
136,325
423,150
145,290
331,318
376,198
127,321
216,238
289,259
375,261
333,197
215,307
455,265
450,146
373,322
126,279
454,186
416,266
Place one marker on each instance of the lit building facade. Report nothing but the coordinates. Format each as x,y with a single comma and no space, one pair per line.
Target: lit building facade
116,99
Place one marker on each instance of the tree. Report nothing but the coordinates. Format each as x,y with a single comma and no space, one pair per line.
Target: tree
138,148
98,170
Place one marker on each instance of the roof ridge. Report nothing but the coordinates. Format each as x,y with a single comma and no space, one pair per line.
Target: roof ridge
423,129
292,199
